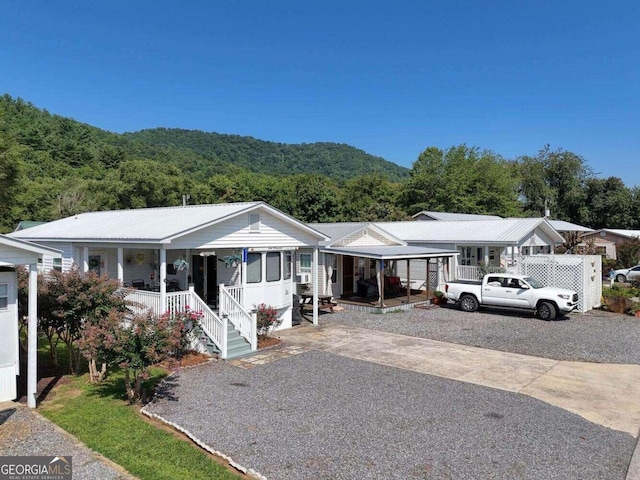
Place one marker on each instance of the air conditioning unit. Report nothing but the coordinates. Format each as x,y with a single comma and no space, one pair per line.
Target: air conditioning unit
303,278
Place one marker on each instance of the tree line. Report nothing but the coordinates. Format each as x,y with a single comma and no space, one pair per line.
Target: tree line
52,167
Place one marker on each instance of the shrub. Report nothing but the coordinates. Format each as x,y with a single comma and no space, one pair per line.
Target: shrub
267,318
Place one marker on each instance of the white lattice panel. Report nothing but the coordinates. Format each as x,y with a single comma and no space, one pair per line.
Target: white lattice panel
582,273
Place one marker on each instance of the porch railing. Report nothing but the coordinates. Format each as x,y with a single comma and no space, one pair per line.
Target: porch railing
142,301
231,308
212,325
468,272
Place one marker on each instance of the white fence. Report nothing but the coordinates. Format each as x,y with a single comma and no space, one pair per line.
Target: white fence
242,320
582,273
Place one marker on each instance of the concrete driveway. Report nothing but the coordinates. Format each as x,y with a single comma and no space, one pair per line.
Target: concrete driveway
343,403
606,394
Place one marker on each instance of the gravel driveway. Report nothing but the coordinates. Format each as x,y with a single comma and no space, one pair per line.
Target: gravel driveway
322,416
599,337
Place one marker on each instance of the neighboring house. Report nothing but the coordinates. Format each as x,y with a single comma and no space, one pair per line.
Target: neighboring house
417,250
490,242
23,225
13,253
223,259
607,240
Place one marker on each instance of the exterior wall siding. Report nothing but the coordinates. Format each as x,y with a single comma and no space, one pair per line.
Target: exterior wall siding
235,233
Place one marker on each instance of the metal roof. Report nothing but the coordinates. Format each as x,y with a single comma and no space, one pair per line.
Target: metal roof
624,233
145,224
28,247
562,226
507,231
338,230
449,216
391,252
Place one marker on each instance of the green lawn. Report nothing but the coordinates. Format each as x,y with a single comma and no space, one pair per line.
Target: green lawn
99,416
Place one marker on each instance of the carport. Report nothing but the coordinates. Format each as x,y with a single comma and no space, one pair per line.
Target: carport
386,256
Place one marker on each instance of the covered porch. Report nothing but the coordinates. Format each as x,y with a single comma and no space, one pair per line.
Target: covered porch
385,290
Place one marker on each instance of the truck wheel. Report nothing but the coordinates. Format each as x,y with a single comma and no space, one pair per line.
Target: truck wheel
621,278
547,311
468,303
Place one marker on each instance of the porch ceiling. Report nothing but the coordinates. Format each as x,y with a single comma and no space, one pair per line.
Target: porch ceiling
391,252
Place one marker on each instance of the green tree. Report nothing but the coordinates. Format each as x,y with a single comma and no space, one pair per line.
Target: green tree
609,204
462,179
70,300
557,177
11,171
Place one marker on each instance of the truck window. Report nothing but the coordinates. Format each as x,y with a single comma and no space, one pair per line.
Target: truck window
494,281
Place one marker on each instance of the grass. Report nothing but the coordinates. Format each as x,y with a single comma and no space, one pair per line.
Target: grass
100,417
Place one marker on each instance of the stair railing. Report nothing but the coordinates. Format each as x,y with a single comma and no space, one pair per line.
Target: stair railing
241,320
212,325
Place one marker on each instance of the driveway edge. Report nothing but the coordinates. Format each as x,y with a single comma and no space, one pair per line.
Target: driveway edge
247,471
633,473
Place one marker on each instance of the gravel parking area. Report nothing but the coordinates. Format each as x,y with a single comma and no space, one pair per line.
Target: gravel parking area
322,416
599,337
24,432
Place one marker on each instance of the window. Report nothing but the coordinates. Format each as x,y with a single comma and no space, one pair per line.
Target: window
273,266
254,222
4,295
254,267
305,263
287,265
57,264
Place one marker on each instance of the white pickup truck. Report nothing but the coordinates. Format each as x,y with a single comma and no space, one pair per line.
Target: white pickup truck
512,291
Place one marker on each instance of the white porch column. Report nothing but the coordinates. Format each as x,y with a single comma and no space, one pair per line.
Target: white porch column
163,278
85,259
32,338
380,277
188,273
314,273
486,255
121,265
409,279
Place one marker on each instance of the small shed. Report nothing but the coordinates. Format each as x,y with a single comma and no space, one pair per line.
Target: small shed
13,253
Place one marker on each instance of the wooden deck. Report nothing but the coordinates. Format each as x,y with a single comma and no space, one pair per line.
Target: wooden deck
395,302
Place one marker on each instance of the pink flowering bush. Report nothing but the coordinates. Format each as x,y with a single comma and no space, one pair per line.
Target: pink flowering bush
137,343
267,319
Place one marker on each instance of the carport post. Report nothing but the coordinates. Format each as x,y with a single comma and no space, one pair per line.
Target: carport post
314,273
408,281
428,282
32,337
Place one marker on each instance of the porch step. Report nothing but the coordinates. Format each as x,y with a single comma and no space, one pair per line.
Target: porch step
237,346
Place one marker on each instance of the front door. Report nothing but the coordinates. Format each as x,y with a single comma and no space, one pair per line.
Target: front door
347,275
205,278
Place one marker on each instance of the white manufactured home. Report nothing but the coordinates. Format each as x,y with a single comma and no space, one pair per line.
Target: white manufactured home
221,259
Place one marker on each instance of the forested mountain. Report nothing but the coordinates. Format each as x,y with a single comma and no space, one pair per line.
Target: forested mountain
334,160
52,167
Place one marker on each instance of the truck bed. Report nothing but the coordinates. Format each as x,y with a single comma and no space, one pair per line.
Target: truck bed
467,282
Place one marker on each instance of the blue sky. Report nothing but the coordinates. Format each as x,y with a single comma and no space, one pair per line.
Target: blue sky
391,78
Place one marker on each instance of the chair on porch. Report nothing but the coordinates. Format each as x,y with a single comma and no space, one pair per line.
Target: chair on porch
138,283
